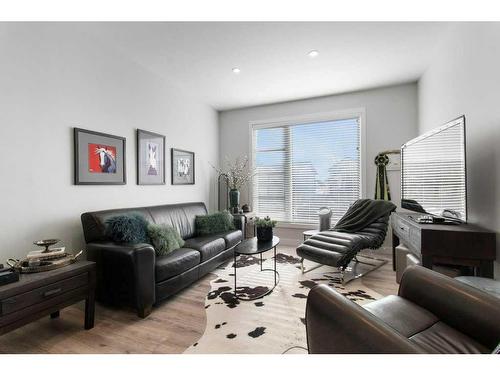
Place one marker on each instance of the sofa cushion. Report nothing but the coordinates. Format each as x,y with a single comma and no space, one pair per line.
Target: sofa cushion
179,216
232,238
208,246
441,338
404,316
175,263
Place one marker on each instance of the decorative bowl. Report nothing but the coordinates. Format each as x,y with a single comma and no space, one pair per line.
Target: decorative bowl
46,243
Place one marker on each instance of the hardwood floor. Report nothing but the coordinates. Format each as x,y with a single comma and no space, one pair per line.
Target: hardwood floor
383,279
172,326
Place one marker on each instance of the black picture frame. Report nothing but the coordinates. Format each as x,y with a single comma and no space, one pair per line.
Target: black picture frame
172,167
121,166
146,133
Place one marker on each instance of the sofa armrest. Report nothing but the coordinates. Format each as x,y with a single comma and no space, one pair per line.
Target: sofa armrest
125,273
459,305
336,325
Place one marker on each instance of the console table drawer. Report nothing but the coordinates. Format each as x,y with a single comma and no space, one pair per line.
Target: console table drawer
20,301
401,228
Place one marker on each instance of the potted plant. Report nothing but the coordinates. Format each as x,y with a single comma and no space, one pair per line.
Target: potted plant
237,173
265,228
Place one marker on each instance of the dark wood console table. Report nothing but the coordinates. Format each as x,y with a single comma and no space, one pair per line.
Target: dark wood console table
463,245
42,294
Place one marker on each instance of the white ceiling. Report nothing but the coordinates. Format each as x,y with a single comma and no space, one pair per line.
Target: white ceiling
273,56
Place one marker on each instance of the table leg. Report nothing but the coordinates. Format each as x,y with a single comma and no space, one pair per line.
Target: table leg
90,310
395,243
234,262
427,261
275,266
486,269
54,315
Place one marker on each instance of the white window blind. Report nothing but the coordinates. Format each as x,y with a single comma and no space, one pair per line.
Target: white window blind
434,170
302,167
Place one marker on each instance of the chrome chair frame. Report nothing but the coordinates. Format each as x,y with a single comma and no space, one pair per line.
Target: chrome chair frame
342,270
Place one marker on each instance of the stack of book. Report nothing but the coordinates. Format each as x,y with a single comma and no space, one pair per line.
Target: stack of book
8,275
39,255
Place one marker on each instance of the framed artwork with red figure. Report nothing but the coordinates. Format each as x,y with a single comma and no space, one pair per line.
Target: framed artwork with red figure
99,158
102,158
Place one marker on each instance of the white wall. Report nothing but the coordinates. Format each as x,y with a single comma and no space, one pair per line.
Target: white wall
53,78
463,78
391,120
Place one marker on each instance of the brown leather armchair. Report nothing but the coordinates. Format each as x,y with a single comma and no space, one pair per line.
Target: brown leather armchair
432,313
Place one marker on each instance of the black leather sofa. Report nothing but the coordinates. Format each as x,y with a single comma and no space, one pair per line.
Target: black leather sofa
432,313
133,275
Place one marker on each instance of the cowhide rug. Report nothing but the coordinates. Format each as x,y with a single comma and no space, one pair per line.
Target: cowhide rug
271,324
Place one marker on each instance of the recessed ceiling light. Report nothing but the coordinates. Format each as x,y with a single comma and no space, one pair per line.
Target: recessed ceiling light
312,54
236,70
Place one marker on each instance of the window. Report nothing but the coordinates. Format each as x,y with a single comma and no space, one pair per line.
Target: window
304,165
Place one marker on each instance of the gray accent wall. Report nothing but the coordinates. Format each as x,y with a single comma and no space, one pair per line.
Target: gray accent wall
54,78
391,120
463,78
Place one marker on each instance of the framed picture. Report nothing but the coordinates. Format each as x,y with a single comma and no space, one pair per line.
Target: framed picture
182,167
150,158
99,158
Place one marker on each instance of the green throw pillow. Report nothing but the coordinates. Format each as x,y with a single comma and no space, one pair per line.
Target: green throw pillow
164,238
127,228
215,223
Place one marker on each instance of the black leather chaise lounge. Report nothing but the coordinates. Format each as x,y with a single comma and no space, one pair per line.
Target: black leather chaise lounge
133,275
364,226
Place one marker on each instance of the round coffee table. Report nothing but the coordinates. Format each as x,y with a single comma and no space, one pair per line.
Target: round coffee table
252,246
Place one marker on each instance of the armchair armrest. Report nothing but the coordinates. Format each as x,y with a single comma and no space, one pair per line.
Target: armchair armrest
125,273
459,305
336,325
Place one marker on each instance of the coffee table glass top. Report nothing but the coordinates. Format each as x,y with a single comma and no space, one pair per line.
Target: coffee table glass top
253,246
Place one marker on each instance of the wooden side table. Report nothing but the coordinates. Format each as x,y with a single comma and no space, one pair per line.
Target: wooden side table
249,219
45,293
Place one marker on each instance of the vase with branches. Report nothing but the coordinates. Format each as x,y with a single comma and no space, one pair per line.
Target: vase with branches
237,173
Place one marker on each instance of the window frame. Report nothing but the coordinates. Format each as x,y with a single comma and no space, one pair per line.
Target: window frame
359,113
